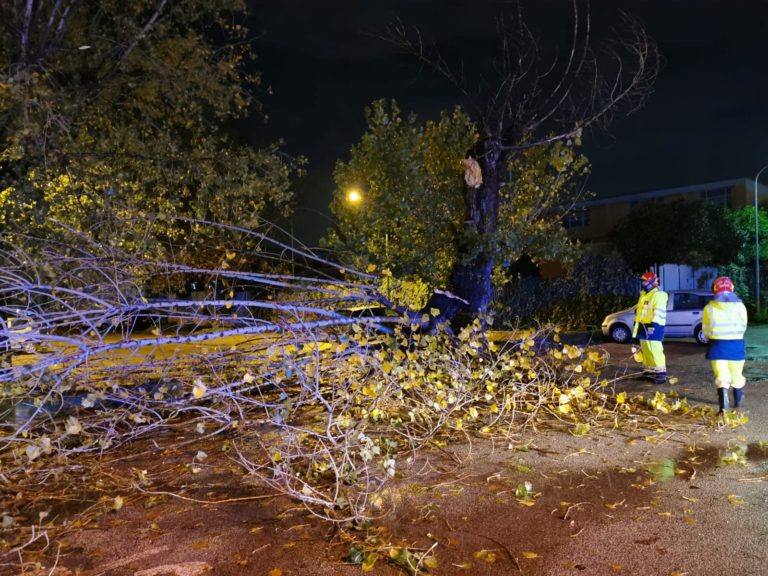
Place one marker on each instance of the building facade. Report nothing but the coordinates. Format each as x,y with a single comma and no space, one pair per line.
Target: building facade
593,220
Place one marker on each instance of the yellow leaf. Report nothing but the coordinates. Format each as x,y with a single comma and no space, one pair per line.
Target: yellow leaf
617,567
231,255
256,529
459,424
638,357
200,544
199,389
621,398
371,268
735,500
275,572
531,555
430,562
117,503
369,561
486,555
369,390
277,456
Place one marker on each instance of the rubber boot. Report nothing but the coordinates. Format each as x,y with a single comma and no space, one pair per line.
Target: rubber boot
738,395
649,375
722,397
660,377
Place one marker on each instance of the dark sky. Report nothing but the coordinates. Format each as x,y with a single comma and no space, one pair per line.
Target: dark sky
706,120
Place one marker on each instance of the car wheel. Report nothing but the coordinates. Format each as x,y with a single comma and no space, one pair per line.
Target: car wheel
620,333
698,333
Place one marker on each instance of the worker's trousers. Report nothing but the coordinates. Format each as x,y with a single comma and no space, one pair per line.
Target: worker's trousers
653,356
728,373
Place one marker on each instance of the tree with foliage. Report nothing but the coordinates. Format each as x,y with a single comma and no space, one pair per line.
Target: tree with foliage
680,231
742,269
524,124
111,125
413,216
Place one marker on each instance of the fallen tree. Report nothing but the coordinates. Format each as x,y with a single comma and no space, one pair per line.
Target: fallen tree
315,404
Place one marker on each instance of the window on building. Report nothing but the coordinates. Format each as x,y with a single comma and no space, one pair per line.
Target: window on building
719,196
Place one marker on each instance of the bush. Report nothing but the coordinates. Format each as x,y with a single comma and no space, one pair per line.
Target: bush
596,285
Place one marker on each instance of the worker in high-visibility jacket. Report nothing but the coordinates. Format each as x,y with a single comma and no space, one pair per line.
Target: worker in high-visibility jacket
724,322
650,320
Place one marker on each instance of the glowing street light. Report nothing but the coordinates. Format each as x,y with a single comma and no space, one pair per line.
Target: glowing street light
354,196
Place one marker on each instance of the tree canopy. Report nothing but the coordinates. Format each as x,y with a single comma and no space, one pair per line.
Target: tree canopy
112,118
679,231
525,120
412,216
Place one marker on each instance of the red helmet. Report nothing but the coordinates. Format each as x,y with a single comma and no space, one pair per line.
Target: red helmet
722,284
650,278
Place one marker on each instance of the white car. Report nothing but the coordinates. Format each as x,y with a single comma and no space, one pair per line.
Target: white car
684,312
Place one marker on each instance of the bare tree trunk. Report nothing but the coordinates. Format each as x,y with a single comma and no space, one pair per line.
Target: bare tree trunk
471,276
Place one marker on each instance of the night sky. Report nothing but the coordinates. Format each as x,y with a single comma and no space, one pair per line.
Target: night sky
706,120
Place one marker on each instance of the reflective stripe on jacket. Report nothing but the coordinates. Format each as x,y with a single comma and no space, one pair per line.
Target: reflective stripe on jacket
724,320
651,307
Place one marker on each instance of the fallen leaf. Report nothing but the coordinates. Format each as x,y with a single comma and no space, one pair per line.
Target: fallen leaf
486,555
275,572
531,555
369,561
199,389
735,500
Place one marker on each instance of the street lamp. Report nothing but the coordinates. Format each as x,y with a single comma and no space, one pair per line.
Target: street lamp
354,196
757,241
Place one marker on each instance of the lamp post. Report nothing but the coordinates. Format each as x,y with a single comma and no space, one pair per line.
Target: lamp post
757,241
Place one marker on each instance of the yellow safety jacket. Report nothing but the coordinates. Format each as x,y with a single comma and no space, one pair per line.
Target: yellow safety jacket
724,320
651,307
